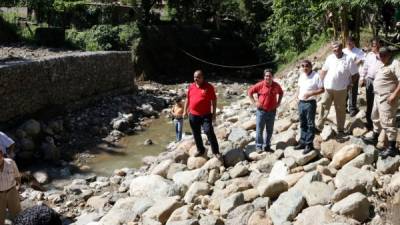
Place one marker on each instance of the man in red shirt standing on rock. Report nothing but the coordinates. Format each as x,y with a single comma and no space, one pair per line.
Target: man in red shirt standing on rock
201,105
269,97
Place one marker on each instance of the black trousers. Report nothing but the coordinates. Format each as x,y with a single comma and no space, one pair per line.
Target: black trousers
205,122
369,87
307,110
352,96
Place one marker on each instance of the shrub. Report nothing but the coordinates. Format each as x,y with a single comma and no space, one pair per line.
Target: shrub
104,37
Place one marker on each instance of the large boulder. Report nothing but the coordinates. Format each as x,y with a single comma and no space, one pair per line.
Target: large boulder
259,217
196,162
240,215
222,133
182,216
306,180
196,189
348,175
186,178
233,156
153,186
300,158
282,125
345,155
98,202
284,139
161,210
31,128
319,214
41,176
347,190
126,209
213,163
388,165
330,147
174,168
250,194
162,168
49,150
239,136
249,125
278,172
265,165
318,193
327,133
239,170
231,202
286,207
355,206
272,189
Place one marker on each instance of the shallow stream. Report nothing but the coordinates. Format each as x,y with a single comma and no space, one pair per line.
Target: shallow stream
131,149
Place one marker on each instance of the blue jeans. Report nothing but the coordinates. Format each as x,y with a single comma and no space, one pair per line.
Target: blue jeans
264,120
307,110
205,122
178,128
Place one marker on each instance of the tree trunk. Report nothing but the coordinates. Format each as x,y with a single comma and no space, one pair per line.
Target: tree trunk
357,25
344,25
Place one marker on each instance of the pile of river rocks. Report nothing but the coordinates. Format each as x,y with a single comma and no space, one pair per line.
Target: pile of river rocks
343,182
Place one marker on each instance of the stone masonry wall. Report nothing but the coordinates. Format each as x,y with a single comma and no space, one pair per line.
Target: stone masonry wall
27,87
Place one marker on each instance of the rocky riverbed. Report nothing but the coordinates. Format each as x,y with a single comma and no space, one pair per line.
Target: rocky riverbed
342,182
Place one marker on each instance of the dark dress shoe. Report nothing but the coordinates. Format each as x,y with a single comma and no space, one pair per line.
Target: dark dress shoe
299,147
308,149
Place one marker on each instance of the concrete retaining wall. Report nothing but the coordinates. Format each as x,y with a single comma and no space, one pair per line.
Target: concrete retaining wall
27,87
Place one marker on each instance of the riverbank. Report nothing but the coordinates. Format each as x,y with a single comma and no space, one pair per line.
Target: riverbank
63,172
343,181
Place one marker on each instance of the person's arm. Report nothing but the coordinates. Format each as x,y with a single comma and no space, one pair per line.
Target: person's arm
322,74
214,109
313,92
280,96
280,99
324,69
394,95
354,73
186,108
251,93
213,98
364,72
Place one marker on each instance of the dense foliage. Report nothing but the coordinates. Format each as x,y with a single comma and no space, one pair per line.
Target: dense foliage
104,37
281,28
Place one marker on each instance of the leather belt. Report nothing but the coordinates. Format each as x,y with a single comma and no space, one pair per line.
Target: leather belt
274,110
6,191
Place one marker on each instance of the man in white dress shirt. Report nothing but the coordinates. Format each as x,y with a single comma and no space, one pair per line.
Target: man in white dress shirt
367,77
337,74
310,85
358,56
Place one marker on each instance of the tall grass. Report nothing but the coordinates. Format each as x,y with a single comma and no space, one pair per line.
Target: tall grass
291,57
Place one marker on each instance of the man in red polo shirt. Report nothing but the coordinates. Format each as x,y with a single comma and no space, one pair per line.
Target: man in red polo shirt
269,96
201,105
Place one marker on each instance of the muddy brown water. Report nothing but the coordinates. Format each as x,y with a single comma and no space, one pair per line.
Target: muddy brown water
161,131
131,149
